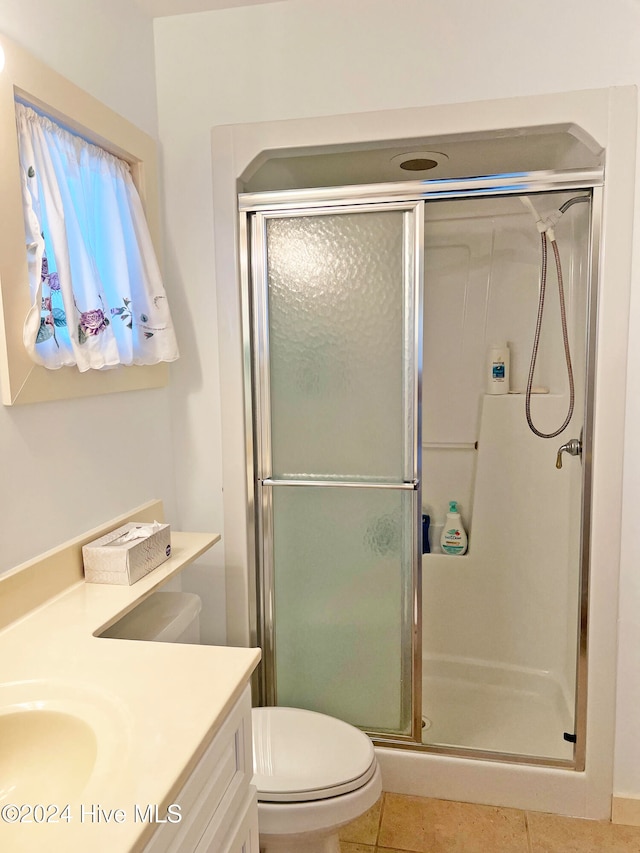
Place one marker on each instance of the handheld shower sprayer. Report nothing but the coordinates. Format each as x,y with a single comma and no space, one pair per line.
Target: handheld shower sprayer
546,224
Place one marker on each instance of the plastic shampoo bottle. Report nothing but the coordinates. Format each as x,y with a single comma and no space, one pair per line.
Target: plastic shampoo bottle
454,538
498,374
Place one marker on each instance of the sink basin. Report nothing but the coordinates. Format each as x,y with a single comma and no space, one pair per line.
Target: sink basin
45,756
59,740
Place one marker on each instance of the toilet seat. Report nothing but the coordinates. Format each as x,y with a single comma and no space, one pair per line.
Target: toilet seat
302,756
295,821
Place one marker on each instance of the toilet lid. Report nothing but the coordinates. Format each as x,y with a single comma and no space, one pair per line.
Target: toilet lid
301,755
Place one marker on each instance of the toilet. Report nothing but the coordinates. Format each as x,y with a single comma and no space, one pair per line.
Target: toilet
164,617
313,773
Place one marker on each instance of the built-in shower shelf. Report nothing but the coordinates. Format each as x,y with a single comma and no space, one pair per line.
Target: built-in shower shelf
443,560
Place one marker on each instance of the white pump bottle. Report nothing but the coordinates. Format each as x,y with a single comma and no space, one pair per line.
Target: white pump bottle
454,537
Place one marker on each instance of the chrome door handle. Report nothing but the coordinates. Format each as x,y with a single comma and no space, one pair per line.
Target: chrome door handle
572,447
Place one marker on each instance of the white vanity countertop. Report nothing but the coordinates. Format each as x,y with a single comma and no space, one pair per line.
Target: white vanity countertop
154,707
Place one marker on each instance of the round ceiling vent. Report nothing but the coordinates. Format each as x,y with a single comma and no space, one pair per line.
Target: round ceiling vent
419,161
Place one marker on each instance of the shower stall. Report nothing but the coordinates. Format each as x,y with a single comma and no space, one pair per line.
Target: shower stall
369,312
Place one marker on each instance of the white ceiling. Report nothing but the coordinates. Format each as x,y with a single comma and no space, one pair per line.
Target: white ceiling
163,8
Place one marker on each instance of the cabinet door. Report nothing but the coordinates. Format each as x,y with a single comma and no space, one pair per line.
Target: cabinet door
243,835
216,792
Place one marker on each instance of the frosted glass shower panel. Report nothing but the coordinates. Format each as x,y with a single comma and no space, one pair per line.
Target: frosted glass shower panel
342,576
339,291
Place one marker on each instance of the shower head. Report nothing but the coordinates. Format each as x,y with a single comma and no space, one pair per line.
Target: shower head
529,204
547,221
544,222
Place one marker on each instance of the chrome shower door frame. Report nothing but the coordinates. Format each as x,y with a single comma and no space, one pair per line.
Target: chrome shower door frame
259,483
265,483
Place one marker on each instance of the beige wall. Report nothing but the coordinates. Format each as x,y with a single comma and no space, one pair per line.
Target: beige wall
69,466
104,46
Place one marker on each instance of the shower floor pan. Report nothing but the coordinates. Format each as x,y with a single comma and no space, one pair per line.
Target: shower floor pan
482,706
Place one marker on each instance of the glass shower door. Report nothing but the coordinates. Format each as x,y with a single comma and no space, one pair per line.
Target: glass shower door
336,307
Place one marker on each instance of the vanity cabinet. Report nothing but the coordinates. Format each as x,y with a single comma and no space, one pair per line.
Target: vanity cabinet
218,804
151,707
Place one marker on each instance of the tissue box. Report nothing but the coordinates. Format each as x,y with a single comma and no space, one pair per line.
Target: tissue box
110,560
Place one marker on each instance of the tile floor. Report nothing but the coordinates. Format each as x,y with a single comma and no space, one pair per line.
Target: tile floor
401,824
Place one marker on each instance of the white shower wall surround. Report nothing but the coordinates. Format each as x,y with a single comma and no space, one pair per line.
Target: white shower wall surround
504,617
482,272
500,624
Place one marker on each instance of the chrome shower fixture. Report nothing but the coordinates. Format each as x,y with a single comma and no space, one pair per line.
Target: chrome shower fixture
546,224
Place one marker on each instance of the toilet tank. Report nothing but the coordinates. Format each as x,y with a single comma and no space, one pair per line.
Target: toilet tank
164,617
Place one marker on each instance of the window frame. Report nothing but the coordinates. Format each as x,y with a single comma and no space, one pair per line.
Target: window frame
26,78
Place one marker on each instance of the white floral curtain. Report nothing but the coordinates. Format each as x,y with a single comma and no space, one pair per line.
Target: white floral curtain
97,296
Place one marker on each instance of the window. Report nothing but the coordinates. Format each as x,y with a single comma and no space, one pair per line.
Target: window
97,298
22,380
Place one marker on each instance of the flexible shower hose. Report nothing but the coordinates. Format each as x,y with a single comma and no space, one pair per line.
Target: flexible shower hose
536,341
